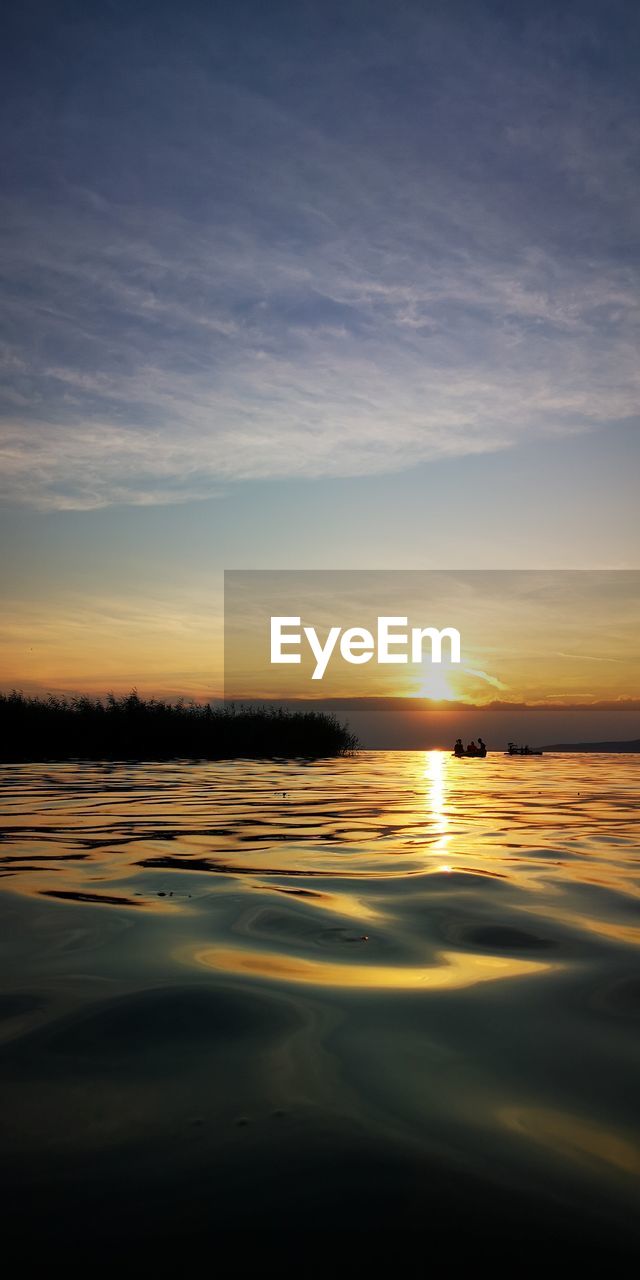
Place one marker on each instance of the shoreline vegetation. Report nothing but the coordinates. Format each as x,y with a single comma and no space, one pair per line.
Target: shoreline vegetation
134,728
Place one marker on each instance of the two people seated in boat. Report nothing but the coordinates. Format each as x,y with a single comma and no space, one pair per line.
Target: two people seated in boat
472,749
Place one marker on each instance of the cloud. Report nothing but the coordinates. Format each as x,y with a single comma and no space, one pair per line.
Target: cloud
483,675
411,248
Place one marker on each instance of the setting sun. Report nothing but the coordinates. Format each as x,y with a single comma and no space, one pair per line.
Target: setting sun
435,683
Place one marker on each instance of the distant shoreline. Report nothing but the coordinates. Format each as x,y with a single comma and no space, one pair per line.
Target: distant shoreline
612,748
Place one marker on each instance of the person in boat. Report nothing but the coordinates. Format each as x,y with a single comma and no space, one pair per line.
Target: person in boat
458,750
472,749
482,747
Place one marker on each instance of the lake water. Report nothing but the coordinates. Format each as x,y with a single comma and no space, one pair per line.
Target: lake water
398,993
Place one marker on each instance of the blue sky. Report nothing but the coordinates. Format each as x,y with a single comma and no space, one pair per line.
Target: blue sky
316,283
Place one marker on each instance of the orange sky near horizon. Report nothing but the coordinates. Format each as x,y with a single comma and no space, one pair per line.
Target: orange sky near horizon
568,638
525,636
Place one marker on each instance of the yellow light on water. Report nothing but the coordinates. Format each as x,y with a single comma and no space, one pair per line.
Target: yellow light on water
447,971
436,793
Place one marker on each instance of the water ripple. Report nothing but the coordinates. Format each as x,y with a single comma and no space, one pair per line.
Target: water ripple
426,959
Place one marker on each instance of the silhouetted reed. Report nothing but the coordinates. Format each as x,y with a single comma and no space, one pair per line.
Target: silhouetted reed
130,727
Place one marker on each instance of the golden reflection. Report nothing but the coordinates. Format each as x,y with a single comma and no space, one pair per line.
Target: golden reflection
435,773
573,1138
342,904
453,970
602,928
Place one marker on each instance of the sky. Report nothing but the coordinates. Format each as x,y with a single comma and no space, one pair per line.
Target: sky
307,285
534,637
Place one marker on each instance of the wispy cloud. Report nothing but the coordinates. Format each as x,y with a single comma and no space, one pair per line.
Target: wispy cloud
488,679
409,248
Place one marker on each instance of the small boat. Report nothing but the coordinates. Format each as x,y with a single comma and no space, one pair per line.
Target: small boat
515,750
469,755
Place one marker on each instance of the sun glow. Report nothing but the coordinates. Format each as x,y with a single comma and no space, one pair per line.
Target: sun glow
435,683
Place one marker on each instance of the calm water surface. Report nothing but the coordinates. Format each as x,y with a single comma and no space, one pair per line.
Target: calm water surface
398,992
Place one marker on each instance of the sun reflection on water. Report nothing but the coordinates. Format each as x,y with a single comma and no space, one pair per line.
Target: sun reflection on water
428,966
449,971
436,797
